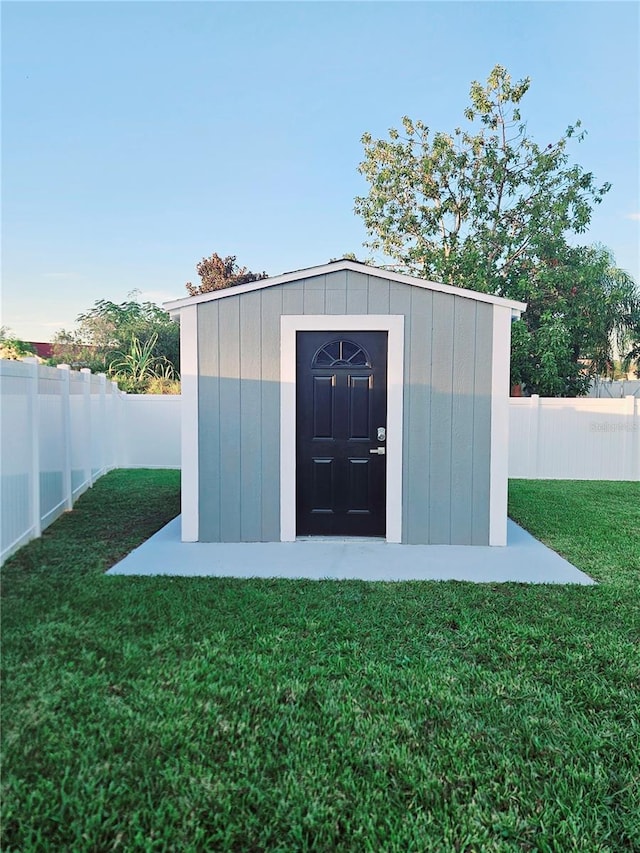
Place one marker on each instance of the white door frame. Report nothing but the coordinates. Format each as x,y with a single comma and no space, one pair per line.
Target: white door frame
290,324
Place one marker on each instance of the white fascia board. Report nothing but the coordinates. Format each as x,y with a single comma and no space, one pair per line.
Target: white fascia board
176,305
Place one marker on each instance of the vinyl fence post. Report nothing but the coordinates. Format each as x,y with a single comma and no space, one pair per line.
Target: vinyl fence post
122,454
635,436
115,425
631,439
86,426
535,434
109,426
102,377
65,404
33,414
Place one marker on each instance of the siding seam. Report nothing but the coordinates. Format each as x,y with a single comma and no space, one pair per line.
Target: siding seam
451,410
473,421
260,493
430,422
218,485
242,427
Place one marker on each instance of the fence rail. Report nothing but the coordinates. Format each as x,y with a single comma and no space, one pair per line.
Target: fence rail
556,438
63,429
615,389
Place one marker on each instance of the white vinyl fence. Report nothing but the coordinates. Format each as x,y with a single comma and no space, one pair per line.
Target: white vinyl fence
555,438
149,434
61,430
615,389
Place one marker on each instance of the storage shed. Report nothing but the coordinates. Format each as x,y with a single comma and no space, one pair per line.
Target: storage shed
345,400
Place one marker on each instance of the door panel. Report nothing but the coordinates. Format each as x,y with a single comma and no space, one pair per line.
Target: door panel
360,393
323,407
341,402
359,485
322,485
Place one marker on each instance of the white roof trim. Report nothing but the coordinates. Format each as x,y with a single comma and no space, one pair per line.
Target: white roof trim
175,305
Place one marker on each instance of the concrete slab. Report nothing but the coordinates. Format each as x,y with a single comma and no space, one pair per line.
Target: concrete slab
524,560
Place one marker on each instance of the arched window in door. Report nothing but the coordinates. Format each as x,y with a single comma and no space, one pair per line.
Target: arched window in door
341,353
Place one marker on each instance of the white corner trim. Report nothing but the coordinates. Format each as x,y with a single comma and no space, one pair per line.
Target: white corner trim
499,471
190,423
289,326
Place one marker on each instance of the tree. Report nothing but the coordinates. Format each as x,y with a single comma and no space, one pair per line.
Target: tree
623,315
489,209
139,371
108,329
580,307
69,346
217,273
347,256
13,348
631,352
616,324
571,323
469,208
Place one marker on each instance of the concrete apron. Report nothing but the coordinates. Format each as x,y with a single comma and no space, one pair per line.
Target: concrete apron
523,560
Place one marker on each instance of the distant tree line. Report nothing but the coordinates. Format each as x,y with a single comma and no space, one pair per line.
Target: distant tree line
135,343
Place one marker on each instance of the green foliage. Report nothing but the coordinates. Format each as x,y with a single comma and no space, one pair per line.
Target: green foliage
168,713
217,273
13,348
628,339
136,370
347,256
490,209
466,208
162,384
108,330
579,307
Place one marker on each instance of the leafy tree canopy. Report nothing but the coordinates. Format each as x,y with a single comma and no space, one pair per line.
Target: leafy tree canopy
631,357
109,330
579,311
488,208
466,207
217,273
13,348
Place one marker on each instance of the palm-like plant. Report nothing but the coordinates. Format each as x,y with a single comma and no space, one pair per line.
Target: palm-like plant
135,369
632,348
611,322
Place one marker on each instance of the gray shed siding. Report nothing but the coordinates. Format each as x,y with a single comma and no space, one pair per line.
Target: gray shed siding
447,405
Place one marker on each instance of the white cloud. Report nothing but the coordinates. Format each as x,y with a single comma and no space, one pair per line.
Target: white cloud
633,216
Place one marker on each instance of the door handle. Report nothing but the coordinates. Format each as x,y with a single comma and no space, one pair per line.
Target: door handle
380,451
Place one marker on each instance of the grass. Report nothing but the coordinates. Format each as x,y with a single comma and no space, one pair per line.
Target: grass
162,714
595,525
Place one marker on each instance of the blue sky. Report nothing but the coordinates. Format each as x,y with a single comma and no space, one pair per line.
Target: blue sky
140,136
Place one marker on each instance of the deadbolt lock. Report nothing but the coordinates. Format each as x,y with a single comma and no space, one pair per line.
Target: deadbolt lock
382,434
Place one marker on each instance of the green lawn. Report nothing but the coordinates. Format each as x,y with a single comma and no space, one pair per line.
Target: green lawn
215,714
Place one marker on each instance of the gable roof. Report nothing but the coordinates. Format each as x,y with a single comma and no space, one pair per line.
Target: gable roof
175,305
